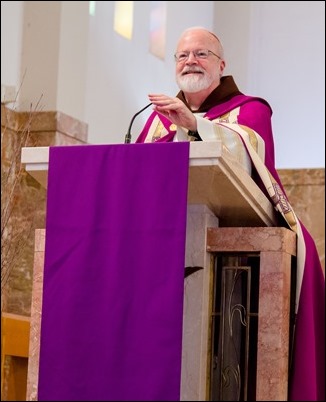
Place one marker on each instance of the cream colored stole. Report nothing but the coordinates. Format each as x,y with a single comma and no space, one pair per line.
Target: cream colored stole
279,199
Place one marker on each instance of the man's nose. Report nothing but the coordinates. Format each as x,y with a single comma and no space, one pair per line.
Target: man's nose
191,58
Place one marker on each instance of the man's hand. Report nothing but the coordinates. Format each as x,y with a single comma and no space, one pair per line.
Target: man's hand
175,110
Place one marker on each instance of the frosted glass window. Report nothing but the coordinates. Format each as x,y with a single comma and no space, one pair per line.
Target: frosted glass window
123,18
91,9
158,28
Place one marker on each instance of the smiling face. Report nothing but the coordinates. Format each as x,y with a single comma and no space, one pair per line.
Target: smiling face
199,71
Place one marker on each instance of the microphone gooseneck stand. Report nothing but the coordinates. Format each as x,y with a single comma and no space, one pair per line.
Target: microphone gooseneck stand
128,135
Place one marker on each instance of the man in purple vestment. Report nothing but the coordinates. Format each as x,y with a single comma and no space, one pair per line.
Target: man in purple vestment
210,107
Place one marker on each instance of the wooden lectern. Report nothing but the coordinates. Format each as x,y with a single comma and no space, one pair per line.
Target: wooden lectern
227,213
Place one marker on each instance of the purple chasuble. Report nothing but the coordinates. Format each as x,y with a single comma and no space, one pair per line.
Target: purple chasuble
114,273
307,368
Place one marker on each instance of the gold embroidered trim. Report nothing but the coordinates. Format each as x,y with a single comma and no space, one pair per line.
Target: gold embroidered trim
158,131
252,137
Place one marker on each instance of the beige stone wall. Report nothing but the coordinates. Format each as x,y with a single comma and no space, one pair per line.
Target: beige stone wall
29,198
305,189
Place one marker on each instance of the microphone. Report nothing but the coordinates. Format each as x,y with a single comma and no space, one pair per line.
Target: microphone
128,135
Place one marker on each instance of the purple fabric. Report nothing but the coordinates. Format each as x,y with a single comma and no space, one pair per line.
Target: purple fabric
307,371
166,123
256,114
114,273
307,381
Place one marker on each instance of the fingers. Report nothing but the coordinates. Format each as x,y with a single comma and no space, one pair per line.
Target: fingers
174,109
165,102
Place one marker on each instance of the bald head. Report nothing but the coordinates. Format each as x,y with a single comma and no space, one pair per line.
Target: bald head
202,36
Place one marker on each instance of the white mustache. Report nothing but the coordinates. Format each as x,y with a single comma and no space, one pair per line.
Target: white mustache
192,69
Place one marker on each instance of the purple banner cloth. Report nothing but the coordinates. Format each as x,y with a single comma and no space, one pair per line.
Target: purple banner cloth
114,273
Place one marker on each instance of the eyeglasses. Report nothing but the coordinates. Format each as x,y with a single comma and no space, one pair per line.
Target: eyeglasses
201,54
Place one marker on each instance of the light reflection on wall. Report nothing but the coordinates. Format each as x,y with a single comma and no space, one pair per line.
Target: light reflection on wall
91,8
158,28
123,18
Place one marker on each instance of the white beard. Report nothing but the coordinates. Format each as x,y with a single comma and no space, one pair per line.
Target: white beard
194,82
